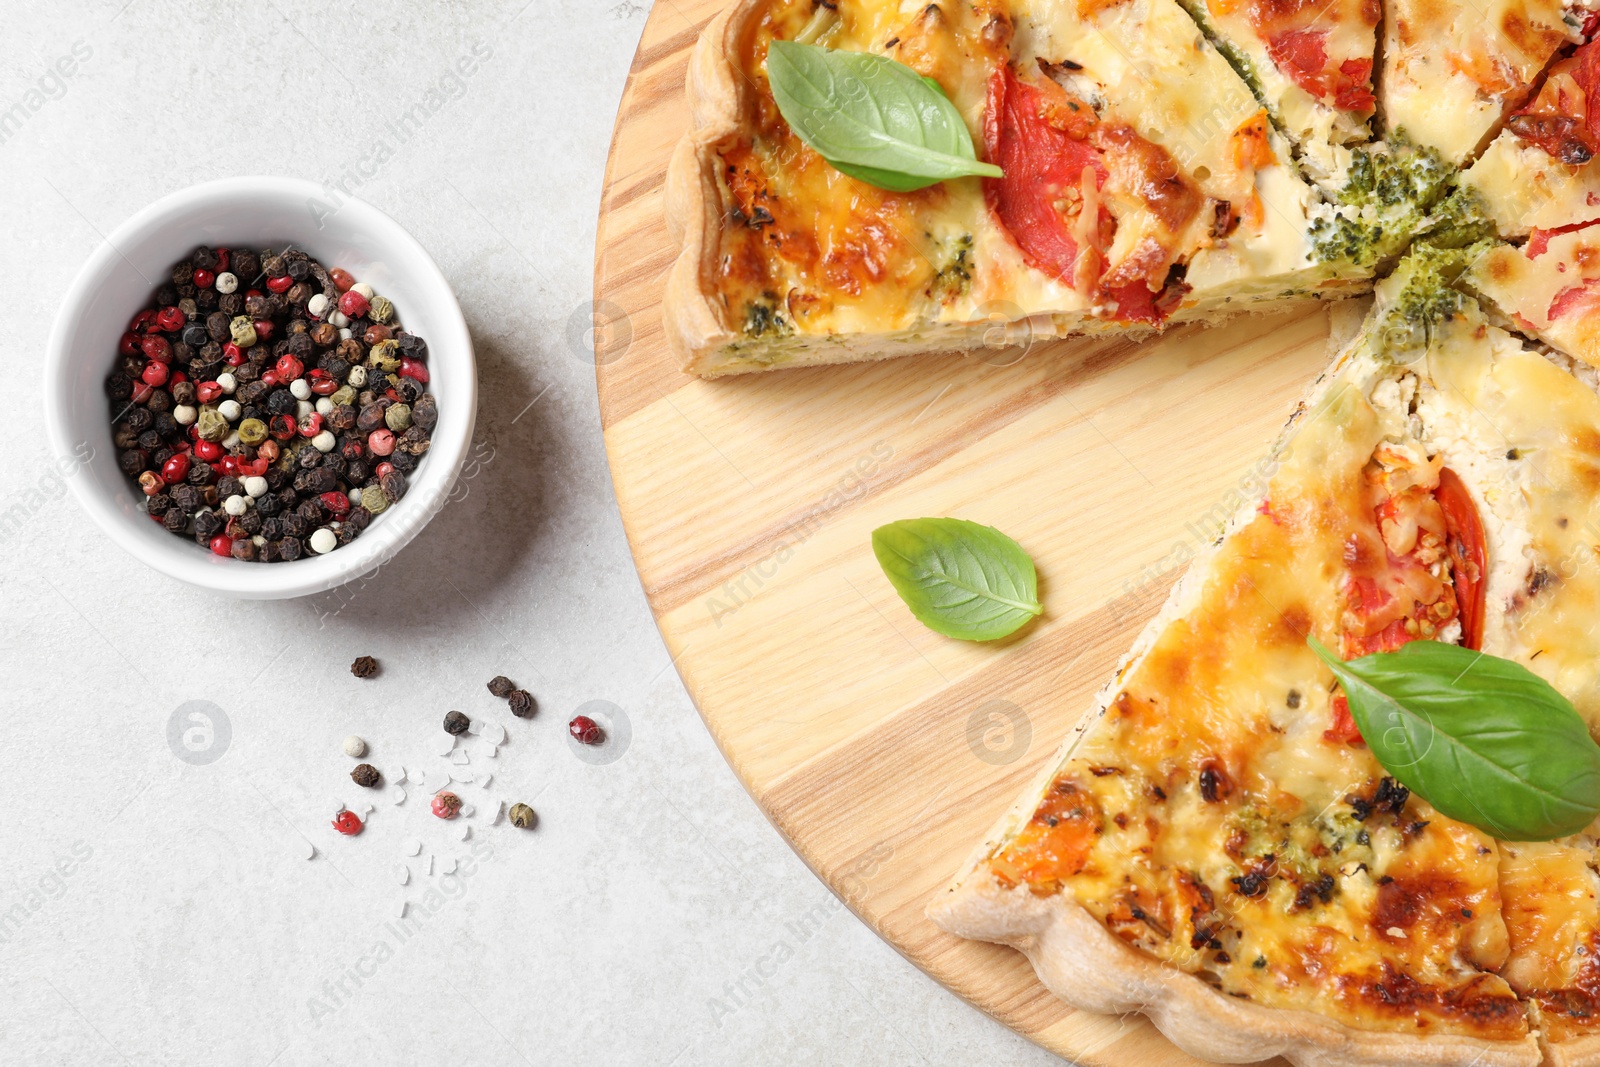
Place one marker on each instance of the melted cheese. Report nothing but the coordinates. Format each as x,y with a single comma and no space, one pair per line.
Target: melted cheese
1553,293
1451,68
1524,189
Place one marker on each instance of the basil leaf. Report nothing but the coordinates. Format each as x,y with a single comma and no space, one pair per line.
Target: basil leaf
872,118
959,578
1484,740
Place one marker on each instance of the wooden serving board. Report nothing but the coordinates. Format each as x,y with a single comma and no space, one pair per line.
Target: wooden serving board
881,751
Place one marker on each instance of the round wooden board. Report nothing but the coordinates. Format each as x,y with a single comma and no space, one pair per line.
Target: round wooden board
881,751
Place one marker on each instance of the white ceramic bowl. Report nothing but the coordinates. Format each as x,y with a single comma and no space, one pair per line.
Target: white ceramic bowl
254,213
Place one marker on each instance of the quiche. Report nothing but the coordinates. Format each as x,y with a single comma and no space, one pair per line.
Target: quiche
1219,849
1145,185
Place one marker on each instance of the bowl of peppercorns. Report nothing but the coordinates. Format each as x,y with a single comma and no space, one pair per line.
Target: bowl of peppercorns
262,388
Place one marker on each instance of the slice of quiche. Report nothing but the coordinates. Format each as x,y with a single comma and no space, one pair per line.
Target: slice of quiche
1144,185
1452,69
1217,848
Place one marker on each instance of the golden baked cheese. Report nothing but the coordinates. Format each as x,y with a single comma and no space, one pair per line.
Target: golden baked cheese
1548,288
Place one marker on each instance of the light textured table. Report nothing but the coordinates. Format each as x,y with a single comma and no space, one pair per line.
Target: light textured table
157,909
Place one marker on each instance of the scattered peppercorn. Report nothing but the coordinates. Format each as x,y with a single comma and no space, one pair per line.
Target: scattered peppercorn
501,686
521,701
347,823
354,747
221,376
364,667
456,723
522,817
446,805
365,775
585,730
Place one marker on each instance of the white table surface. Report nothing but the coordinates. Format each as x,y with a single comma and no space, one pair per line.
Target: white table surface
155,910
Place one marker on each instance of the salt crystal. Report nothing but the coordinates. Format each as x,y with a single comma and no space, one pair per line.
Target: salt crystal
474,726
463,775
484,780
448,868
430,863
493,733
465,832
400,912
445,743
413,847
459,757
310,851
499,813
467,810
488,751
402,874
397,795
399,775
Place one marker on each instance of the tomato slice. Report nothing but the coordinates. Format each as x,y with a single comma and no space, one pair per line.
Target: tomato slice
1564,118
1302,55
1044,167
1344,730
1468,554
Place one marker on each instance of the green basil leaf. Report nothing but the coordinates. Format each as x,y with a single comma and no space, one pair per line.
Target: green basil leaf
870,117
959,578
1484,740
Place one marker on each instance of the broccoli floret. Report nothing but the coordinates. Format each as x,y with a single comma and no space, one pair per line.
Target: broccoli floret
762,318
1420,296
1385,199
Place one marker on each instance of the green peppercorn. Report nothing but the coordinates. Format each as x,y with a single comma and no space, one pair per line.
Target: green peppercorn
243,331
344,394
398,416
210,424
522,817
380,309
373,499
252,432
385,356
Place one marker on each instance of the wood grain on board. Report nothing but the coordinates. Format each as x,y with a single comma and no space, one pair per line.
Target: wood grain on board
880,750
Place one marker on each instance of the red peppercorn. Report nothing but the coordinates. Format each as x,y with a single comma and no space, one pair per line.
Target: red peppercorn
335,501
175,469
207,391
288,368
446,805
210,451
325,385
270,377
341,278
310,424
222,545
411,368
384,468
282,427
585,730
232,355
352,449
347,823
155,373
222,258
179,376
142,392
252,292
142,320
171,319
156,347
228,464
247,467
280,284
128,345
204,279
265,328
353,304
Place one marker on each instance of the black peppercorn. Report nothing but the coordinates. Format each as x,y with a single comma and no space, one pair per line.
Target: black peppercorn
501,686
456,723
207,523
229,304
289,548
365,775
522,703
